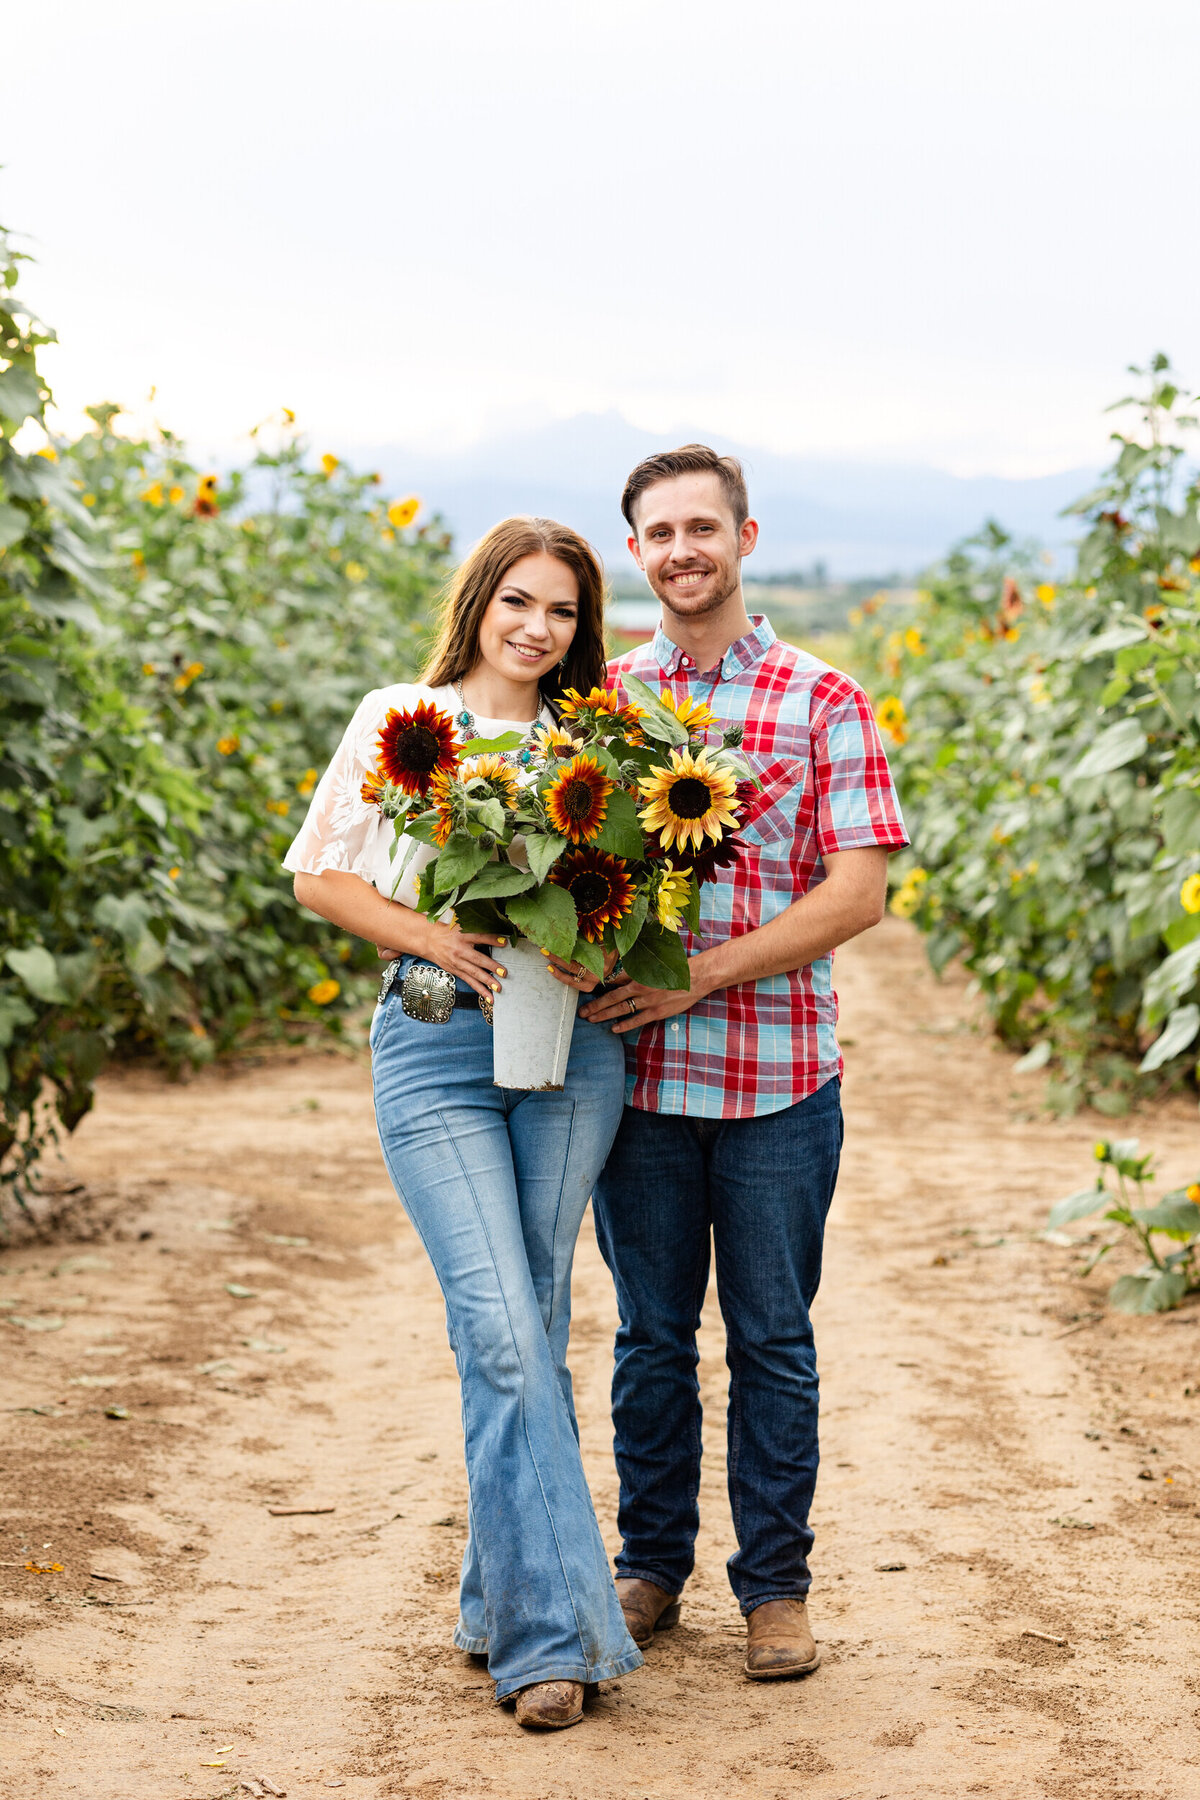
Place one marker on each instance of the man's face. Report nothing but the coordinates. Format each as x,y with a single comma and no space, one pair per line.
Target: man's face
687,544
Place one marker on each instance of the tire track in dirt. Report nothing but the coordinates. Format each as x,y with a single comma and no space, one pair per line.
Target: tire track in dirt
959,1424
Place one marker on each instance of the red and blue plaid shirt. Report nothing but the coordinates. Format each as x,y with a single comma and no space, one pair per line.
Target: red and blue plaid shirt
811,739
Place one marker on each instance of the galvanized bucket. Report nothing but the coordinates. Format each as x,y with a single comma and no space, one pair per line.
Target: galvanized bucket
533,1018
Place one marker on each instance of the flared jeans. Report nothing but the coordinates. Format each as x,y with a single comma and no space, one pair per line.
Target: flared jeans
496,1182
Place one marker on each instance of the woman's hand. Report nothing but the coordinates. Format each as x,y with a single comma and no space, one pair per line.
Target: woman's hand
460,953
574,975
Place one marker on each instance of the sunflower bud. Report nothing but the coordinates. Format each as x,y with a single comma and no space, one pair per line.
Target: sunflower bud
731,737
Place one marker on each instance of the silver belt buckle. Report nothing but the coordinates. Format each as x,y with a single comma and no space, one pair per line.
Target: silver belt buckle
427,994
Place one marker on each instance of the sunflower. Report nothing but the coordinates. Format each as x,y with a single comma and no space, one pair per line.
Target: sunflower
204,506
553,741
414,745
724,854
501,782
891,717
602,703
691,800
442,795
599,885
695,714
674,891
372,790
577,799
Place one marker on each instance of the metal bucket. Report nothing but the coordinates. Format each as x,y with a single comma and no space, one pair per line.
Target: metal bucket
533,1018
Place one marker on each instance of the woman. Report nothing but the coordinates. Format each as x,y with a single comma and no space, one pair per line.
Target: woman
495,1181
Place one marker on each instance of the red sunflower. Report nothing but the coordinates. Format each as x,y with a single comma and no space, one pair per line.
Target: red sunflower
442,796
598,884
413,746
577,799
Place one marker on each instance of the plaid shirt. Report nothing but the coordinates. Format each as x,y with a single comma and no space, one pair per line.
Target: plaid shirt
811,739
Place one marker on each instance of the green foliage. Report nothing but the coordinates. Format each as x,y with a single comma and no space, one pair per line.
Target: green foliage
178,657
1046,739
1167,1275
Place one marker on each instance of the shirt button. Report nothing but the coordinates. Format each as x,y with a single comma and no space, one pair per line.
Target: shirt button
687,662
674,1025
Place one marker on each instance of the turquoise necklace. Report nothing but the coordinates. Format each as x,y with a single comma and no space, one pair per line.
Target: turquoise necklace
522,756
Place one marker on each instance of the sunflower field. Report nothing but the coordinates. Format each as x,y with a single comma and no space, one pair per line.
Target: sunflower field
179,653
1046,738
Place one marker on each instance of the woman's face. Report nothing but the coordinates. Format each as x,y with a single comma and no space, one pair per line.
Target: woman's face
530,620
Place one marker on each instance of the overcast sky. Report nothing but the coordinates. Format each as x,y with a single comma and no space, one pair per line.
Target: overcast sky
934,230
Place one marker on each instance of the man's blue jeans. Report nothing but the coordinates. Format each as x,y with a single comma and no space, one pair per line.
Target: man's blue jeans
762,1187
496,1183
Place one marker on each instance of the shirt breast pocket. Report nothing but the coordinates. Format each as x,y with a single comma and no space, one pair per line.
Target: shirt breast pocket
771,817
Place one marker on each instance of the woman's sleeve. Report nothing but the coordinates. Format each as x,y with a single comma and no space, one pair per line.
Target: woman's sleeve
340,829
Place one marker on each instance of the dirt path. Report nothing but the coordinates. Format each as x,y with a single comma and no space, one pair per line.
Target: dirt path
988,1471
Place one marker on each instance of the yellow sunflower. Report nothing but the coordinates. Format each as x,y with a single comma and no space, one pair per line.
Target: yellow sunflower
599,885
577,799
695,714
554,740
691,800
673,893
502,783
602,703
442,797
891,717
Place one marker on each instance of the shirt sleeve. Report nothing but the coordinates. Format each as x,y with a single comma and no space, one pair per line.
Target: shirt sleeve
857,804
340,828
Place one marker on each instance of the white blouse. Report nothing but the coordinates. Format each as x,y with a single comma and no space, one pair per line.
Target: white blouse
343,831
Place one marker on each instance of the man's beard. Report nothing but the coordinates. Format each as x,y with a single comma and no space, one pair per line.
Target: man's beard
726,585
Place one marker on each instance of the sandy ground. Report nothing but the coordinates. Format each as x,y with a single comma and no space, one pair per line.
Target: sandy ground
1004,1467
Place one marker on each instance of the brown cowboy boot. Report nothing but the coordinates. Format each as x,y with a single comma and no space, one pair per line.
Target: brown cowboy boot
549,1705
647,1608
779,1641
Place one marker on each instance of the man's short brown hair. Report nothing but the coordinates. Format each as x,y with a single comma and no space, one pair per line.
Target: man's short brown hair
689,459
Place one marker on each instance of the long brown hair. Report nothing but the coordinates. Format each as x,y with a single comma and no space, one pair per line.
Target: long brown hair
479,575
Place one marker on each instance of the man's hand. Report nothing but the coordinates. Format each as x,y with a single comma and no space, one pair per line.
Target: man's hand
630,1005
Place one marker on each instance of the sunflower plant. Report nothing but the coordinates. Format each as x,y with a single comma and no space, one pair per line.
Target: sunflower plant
593,839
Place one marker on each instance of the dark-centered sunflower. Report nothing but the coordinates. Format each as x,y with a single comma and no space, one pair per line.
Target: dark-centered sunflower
577,799
690,801
599,885
414,745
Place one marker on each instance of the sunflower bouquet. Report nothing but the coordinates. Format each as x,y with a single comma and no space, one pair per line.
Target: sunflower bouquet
588,837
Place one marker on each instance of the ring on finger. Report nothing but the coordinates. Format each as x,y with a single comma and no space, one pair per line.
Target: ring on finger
632,1005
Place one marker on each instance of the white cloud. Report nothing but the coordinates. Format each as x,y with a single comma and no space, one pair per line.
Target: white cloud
933,231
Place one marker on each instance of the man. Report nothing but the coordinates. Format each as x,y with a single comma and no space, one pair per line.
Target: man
733,1123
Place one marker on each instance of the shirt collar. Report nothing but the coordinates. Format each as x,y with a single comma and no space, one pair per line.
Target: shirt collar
740,656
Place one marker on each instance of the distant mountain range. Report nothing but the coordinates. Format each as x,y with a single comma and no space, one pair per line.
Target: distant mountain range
857,518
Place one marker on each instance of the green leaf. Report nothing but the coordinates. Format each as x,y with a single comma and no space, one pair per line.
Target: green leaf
20,393
1148,1294
660,722
1077,1206
13,1014
482,915
37,970
1122,743
1172,979
498,879
490,815
1180,1218
658,959
543,851
620,833
590,955
462,858
153,808
547,916
14,523
1178,1033
1037,1058
627,931
478,746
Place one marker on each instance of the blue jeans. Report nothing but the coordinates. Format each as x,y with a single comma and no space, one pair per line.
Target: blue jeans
496,1183
762,1187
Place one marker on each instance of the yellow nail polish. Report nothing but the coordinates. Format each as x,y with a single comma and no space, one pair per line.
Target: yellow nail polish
495,987
501,972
